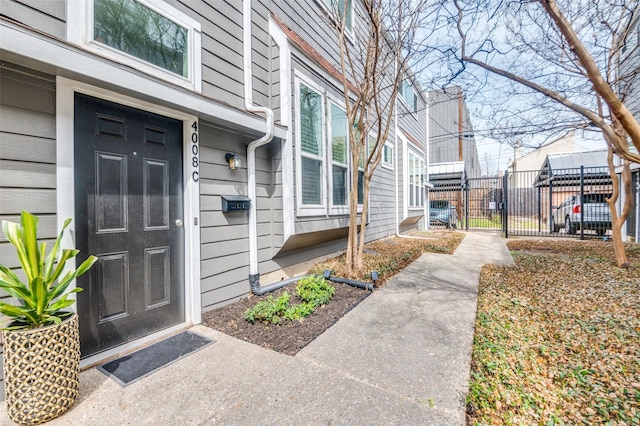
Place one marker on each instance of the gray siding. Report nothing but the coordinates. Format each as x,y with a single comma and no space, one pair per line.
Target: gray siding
46,15
224,236
27,154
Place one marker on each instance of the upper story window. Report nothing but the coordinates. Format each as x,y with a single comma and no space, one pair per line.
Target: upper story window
342,8
408,93
133,28
632,39
148,35
387,155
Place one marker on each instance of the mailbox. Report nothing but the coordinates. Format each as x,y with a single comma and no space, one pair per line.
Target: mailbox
234,203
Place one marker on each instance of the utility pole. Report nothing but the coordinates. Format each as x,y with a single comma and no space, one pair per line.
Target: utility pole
460,158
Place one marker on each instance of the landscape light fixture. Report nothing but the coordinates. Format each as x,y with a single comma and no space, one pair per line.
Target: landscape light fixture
233,160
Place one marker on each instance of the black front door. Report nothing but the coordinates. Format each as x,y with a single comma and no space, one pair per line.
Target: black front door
129,207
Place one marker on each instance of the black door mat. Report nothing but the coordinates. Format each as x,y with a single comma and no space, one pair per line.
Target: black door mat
137,365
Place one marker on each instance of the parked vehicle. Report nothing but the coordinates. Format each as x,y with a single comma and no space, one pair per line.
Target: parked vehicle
441,212
593,208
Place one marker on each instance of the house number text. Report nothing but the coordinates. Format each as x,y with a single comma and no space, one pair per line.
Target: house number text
195,175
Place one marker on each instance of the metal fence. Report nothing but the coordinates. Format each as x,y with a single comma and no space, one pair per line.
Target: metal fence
564,202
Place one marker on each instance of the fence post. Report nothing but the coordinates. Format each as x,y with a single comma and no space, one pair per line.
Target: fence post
552,225
466,205
505,200
582,202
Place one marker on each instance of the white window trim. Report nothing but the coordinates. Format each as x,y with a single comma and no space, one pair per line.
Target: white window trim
410,108
417,153
383,163
310,209
336,209
80,31
349,32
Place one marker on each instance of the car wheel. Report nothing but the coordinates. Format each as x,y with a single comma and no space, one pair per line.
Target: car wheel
568,227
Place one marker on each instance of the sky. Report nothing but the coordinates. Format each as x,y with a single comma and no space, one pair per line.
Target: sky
500,154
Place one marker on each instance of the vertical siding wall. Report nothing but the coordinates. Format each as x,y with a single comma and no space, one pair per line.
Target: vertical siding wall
27,155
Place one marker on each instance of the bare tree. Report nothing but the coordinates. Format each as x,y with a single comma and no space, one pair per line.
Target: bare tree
375,58
560,57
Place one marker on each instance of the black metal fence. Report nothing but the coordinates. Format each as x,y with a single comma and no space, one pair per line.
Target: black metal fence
563,202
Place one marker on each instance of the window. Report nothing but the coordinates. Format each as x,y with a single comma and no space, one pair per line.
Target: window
150,36
133,28
408,93
342,8
387,155
361,171
339,156
632,38
416,171
323,162
311,140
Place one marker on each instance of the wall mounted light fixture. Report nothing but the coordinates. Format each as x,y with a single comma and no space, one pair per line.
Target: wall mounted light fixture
233,160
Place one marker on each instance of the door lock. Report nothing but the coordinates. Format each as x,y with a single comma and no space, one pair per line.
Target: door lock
179,222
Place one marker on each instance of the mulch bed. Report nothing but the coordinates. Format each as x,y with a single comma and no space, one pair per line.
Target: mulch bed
388,257
290,336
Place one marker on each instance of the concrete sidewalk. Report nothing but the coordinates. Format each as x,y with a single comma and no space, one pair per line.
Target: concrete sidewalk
400,357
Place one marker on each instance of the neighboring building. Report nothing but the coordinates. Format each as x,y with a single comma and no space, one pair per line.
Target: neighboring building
629,88
135,143
533,160
451,137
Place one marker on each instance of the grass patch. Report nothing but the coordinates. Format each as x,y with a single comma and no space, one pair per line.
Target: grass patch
557,337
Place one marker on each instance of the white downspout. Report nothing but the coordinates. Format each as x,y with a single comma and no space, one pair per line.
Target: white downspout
254,274
427,205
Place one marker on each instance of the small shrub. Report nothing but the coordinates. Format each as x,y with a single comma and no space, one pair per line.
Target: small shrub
269,310
299,311
315,290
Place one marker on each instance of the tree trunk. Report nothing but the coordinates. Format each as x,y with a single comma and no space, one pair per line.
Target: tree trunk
618,220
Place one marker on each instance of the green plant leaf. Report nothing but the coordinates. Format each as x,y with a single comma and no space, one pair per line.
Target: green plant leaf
44,296
32,255
18,312
53,255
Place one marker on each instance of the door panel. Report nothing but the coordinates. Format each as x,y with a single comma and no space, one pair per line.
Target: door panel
129,204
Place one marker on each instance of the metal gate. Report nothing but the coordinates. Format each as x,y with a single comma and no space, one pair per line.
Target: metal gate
547,202
484,204
558,202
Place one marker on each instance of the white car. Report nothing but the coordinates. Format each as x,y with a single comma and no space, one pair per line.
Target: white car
595,214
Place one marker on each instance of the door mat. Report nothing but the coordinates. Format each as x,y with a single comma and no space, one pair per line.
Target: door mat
137,365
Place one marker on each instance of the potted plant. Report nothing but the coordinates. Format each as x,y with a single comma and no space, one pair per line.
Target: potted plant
41,351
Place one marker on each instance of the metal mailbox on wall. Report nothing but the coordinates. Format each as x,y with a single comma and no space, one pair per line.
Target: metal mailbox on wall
233,203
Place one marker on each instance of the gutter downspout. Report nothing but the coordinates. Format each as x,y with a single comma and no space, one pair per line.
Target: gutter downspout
254,273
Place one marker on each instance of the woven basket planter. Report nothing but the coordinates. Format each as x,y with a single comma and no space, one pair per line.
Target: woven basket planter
42,371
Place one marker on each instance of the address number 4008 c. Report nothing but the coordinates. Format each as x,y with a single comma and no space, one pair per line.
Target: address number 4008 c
195,175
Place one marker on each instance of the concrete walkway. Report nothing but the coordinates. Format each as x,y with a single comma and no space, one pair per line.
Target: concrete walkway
401,357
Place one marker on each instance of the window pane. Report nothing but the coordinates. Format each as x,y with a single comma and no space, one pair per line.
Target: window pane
338,135
133,28
311,181
360,187
339,186
387,154
310,120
